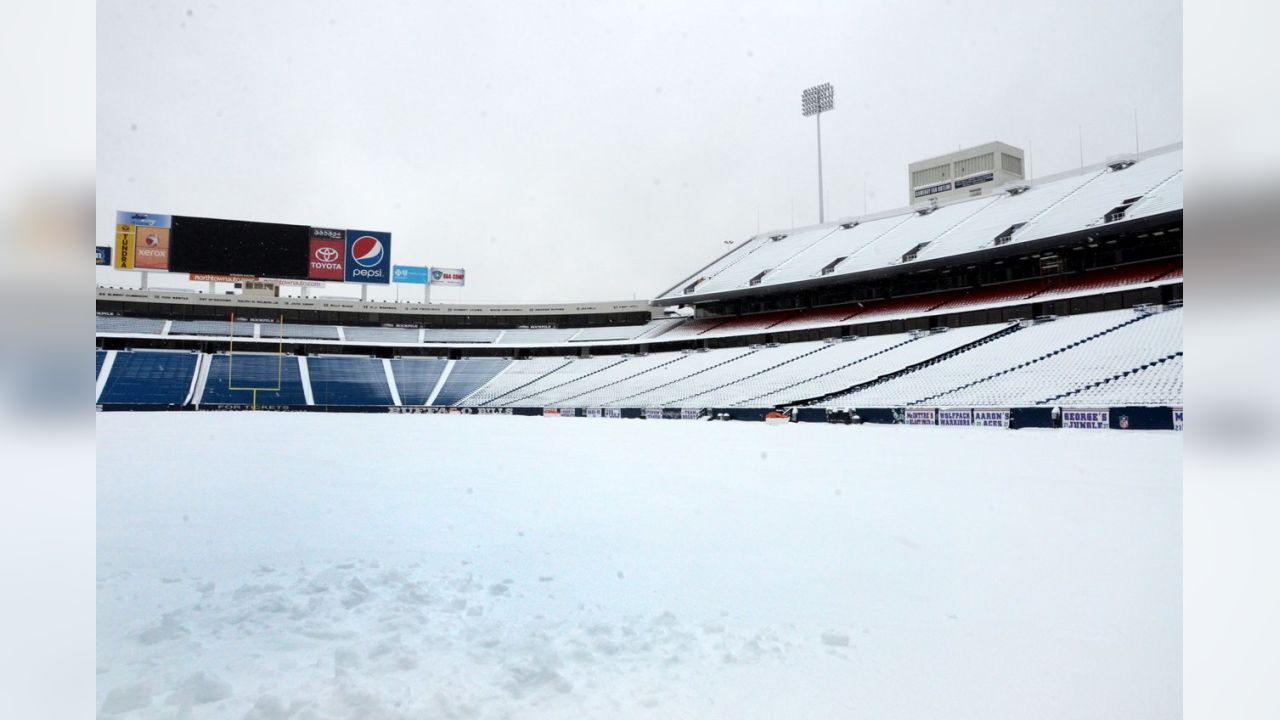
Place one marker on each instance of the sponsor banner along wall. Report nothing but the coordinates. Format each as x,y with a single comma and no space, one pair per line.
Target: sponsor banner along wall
409,274
653,413
991,417
294,282
690,413
955,416
206,277
568,412
448,276
921,416
1086,418
593,412
613,412
550,412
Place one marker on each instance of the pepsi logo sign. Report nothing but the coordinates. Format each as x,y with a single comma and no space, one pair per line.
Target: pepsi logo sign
367,251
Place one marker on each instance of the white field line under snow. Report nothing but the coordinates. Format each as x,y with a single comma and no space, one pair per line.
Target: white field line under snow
305,566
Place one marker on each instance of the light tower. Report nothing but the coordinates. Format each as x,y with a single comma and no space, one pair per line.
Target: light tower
815,101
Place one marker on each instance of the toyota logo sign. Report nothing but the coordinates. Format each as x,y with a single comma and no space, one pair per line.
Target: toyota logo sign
326,254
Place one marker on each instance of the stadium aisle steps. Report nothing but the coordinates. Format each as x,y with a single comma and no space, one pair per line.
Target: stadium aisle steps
1114,378
619,381
756,374
570,381
914,367
832,371
416,378
534,377
1032,361
684,377
468,376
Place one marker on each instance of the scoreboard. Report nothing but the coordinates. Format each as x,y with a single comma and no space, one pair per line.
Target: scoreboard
179,243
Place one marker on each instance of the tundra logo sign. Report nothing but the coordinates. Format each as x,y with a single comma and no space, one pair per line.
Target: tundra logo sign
327,250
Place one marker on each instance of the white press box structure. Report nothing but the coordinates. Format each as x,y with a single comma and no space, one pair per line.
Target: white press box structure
964,173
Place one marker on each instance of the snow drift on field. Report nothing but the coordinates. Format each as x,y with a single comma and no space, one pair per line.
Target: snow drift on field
306,566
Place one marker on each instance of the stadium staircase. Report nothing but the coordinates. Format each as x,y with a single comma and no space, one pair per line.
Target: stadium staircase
570,381
619,381
520,387
686,377
1113,378
1054,204
934,240
754,374
829,372
1032,361
910,368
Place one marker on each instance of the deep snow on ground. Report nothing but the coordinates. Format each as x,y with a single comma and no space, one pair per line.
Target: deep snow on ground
302,566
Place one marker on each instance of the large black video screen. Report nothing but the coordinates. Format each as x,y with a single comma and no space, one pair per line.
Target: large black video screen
237,247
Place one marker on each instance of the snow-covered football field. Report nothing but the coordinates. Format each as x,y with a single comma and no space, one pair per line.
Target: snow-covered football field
303,566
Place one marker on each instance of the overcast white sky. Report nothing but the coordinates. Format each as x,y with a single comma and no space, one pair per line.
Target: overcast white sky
596,151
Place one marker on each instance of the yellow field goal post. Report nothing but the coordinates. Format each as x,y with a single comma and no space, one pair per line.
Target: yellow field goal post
231,356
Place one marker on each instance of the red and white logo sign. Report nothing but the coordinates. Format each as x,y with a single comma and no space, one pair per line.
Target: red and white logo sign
326,260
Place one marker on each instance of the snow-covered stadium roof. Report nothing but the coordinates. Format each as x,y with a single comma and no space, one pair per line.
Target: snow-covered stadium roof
1046,208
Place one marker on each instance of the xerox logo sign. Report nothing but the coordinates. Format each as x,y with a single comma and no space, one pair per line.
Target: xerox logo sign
326,259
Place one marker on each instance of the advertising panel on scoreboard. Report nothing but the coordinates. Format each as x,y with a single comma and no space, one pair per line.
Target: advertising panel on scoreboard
448,276
142,241
151,248
368,257
411,274
327,254
102,255
137,219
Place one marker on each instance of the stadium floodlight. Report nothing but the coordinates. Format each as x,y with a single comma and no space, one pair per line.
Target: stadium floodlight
815,101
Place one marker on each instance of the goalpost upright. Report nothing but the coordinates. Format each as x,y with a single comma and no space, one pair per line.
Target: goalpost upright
231,354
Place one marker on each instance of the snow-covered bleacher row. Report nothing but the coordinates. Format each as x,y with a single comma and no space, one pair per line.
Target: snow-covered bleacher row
1040,209
670,329
1122,357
